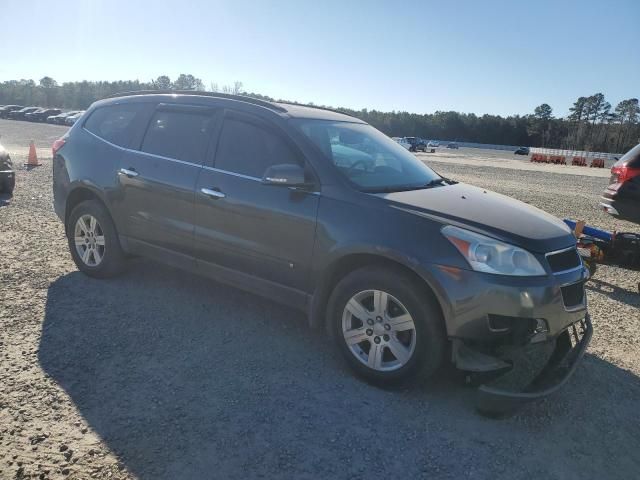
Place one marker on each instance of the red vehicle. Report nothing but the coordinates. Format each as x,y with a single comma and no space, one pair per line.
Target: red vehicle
622,197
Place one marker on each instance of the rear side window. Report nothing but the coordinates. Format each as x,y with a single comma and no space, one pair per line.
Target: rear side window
113,123
179,135
249,149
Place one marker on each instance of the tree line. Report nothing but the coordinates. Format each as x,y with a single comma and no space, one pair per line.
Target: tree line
592,124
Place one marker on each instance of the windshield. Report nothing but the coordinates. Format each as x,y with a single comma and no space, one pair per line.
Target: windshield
368,158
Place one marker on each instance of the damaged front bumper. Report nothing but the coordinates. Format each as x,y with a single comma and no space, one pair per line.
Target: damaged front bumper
562,355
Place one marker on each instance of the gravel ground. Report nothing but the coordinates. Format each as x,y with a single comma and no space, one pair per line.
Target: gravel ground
159,374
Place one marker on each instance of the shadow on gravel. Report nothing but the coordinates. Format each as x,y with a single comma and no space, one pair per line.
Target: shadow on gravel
614,292
185,378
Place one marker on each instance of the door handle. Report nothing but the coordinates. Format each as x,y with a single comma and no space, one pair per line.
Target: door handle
215,194
128,172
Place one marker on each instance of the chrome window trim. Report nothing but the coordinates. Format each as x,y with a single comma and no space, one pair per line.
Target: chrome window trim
234,174
204,167
140,152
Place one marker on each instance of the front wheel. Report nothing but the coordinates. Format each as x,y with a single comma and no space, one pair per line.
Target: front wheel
389,329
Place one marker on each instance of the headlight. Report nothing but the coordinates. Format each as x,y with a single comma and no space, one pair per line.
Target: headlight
486,254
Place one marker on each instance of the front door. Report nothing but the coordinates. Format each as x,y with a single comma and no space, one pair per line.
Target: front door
263,231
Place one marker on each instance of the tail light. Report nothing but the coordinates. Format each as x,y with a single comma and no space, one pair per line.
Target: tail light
622,173
57,145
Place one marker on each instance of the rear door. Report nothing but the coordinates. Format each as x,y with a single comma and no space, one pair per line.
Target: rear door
157,179
263,231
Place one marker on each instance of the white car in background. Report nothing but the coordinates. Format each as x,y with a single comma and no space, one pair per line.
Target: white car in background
402,141
71,119
433,144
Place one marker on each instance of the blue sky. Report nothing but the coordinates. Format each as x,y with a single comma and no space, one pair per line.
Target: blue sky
499,57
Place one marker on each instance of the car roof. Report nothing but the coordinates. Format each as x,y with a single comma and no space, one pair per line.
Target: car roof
285,109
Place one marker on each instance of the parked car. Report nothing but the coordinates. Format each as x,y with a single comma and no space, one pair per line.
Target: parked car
522,151
433,144
452,145
4,111
20,114
403,142
417,144
60,118
319,210
42,114
622,197
71,119
7,173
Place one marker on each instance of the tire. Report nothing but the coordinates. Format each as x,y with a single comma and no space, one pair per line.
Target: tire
404,294
106,258
7,185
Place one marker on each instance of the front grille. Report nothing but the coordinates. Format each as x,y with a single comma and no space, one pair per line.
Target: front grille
573,295
566,260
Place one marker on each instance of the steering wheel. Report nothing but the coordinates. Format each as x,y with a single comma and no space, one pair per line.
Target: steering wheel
357,162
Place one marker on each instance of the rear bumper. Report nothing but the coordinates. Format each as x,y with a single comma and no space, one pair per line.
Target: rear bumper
623,203
570,347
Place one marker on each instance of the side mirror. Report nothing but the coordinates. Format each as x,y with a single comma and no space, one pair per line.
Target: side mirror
286,175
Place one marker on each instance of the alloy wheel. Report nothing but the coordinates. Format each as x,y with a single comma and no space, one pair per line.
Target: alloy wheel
89,240
379,330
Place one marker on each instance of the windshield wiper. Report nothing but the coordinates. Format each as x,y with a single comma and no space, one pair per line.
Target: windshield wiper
406,188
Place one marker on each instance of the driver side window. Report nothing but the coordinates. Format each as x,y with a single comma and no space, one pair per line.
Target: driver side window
249,149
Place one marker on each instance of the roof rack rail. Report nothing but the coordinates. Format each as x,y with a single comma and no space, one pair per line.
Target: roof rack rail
242,98
328,109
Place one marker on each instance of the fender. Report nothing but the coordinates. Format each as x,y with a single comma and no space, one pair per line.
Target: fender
348,257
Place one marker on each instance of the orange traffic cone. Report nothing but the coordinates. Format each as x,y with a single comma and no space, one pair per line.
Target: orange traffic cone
32,161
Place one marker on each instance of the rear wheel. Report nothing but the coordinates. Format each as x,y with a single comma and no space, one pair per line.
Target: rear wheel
93,240
386,325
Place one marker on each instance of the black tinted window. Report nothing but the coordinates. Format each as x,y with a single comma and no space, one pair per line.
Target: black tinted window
249,149
113,122
179,135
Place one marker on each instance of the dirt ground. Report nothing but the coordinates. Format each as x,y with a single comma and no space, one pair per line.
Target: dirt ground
159,374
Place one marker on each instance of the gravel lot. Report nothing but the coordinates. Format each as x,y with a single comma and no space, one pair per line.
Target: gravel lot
159,374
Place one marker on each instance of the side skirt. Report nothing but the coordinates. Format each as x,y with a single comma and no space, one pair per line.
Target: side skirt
259,286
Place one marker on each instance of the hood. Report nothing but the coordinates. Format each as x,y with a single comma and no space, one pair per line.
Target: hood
488,213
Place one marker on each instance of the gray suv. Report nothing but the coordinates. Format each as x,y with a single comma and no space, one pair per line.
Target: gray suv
321,211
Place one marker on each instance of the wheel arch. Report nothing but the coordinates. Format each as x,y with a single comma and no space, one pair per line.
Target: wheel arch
81,193
342,266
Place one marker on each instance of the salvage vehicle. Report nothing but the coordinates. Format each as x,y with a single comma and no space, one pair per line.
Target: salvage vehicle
20,114
59,118
42,114
7,173
71,119
403,142
622,197
319,210
4,111
417,144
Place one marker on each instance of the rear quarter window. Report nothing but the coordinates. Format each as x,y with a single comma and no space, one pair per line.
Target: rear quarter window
114,123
